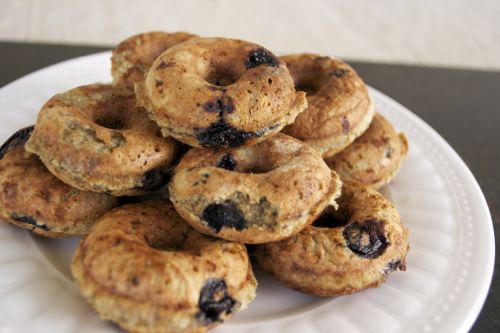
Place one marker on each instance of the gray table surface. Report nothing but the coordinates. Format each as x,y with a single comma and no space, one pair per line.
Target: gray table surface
462,105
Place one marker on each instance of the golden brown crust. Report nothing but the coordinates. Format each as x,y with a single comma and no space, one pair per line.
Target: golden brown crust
374,158
217,92
339,106
142,267
33,199
132,58
95,138
255,194
344,251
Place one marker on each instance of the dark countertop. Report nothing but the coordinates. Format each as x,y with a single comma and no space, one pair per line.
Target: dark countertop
462,105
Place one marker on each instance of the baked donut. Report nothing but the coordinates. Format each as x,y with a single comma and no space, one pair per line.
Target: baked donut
95,138
131,59
374,158
218,92
142,267
33,199
255,194
339,105
344,250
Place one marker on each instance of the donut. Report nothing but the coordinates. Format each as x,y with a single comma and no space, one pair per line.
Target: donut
145,269
95,138
33,199
217,92
374,158
339,105
255,194
344,250
131,59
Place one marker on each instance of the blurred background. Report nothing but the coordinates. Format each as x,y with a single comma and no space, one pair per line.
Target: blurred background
450,33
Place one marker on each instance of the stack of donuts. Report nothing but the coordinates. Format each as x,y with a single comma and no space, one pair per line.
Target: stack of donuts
199,147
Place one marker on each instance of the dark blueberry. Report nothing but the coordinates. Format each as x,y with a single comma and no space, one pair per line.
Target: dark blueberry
28,220
17,139
153,180
366,239
219,106
224,215
227,162
346,126
392,266
338,73
220,134
261,56
214,301
329,221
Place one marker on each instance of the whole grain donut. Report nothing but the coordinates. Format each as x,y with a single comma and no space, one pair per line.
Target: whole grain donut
142,267
95,138
217,92
33,199
132,58
374,158
339,106
345,250
255,194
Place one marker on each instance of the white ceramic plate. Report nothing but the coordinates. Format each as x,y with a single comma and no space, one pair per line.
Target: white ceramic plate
450,263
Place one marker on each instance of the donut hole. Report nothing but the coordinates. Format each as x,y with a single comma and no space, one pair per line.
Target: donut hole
258,166
164,244
330,219
111,123
221,76
113,119
166,240
309,85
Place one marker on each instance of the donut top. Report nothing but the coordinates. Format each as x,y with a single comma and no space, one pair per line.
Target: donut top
374,157
216,92
132,58
97,130
337,97
270,186
145,252
348,248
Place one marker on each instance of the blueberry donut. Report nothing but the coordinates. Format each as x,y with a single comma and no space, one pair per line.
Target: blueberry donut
95,138
132,58
217,92
339,106
143,268
374,158
33,199
344,250
255,194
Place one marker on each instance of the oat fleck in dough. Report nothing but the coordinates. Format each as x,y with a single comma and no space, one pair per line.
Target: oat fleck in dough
133,57
145,269
374,158
255,194
95,138
339,106
345,250
218,92
33,199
